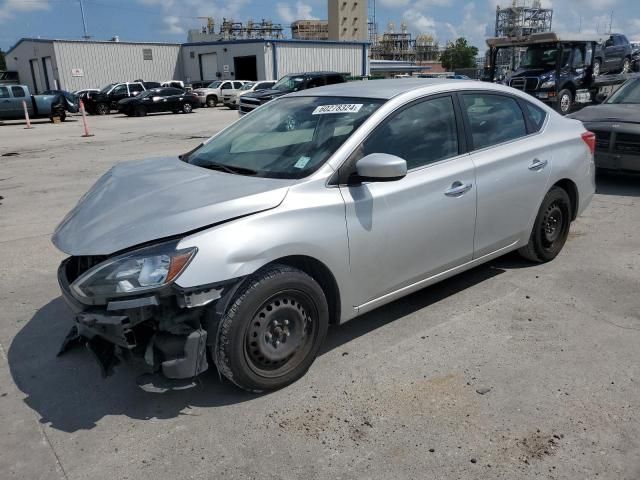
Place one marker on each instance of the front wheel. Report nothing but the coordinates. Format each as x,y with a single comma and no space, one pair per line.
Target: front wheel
551,227
565,101
141,111
212,101
187,108
102,109
626,65
597,67
271,333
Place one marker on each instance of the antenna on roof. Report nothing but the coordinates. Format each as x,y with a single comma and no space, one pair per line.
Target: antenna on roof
86,36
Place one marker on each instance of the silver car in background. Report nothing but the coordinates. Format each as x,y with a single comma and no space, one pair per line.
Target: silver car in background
312,210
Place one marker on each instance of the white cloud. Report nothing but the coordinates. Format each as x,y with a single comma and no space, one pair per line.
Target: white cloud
419,22
415,4
9,8
179,14
289,14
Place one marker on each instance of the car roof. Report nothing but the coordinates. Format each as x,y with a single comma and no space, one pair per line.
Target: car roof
386,89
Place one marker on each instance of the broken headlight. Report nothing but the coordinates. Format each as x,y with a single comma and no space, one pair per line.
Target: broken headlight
134,272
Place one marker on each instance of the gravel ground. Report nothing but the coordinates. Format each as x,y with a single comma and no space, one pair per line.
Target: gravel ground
507,371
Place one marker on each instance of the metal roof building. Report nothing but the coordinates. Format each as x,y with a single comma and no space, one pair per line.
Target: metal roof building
76,64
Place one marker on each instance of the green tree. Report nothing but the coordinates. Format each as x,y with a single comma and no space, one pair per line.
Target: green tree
459,54
3,64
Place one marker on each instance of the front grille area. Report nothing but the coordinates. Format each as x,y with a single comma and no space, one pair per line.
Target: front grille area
524,83
603,140
627,143
76,266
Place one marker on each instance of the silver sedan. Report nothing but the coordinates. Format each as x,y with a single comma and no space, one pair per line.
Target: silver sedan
313,209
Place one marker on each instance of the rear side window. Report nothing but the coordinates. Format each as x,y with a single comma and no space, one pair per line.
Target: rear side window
4,92
18,91
422,133
493,119
316,82
537,115
135,88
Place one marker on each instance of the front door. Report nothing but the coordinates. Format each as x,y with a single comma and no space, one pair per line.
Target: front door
404,231
512,169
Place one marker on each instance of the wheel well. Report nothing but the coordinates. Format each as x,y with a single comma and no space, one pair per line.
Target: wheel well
212,95
571,189
321,274
569,86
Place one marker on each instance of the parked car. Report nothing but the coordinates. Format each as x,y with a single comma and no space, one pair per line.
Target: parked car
230,100
288,84
107,99
616,124
82,93
212,94
159,100
73,104
201,84
173,84
38,106
316,208
613,55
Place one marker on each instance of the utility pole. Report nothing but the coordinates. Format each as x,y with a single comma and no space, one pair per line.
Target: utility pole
84,23
610,22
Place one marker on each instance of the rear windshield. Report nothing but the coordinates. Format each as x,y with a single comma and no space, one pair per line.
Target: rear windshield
285,138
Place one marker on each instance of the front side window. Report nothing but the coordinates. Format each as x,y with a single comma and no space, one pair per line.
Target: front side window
4,92
421,134
135,88
226,86
120,90
18,92
286,138
493,119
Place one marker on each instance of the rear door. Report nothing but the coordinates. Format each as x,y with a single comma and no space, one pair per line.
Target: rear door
513,165
405,231
118,93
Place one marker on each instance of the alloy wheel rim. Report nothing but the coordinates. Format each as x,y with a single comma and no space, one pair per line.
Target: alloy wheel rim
280,335
565,103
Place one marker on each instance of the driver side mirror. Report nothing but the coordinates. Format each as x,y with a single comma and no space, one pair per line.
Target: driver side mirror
381,167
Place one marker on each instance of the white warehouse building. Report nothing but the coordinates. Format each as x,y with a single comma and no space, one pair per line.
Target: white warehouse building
76,64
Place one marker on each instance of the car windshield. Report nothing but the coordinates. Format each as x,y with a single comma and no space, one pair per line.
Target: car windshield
215,84
290,83
247,86
286,138
148,93
107,88
628,93
543,57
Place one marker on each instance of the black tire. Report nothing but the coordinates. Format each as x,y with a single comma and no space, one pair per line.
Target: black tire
141,111
212,101
187,107
597,67
565,101
102,109
626,65
272,331
175,111
551,227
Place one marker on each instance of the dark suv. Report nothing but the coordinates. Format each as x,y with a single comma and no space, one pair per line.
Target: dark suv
102,102
613,55
287,84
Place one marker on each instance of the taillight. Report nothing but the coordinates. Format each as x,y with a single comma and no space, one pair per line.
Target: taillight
590,139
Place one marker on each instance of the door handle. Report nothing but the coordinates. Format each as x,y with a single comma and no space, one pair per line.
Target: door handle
538,165
458,189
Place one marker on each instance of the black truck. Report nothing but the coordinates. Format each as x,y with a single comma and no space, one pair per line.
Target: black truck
557,70
102,102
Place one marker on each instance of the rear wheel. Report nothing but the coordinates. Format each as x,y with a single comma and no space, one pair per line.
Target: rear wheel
626,65
271,333
212,101
550,229
597,67
565,101
187,108
102,109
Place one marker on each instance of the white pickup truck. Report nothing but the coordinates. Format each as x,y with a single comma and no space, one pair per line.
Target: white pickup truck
38,106
213,93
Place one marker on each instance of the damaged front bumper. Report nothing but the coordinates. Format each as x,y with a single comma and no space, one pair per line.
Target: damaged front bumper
168,329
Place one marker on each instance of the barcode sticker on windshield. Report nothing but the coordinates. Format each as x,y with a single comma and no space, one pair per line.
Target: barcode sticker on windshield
341,108
302,162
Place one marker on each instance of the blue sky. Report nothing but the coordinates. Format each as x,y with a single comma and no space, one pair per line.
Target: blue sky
168,20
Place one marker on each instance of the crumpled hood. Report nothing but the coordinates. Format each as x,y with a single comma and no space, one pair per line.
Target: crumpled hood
140,201
620,113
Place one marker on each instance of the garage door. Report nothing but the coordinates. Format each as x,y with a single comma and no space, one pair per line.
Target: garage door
208,66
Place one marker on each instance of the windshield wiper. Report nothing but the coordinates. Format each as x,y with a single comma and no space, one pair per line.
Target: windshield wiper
230,169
